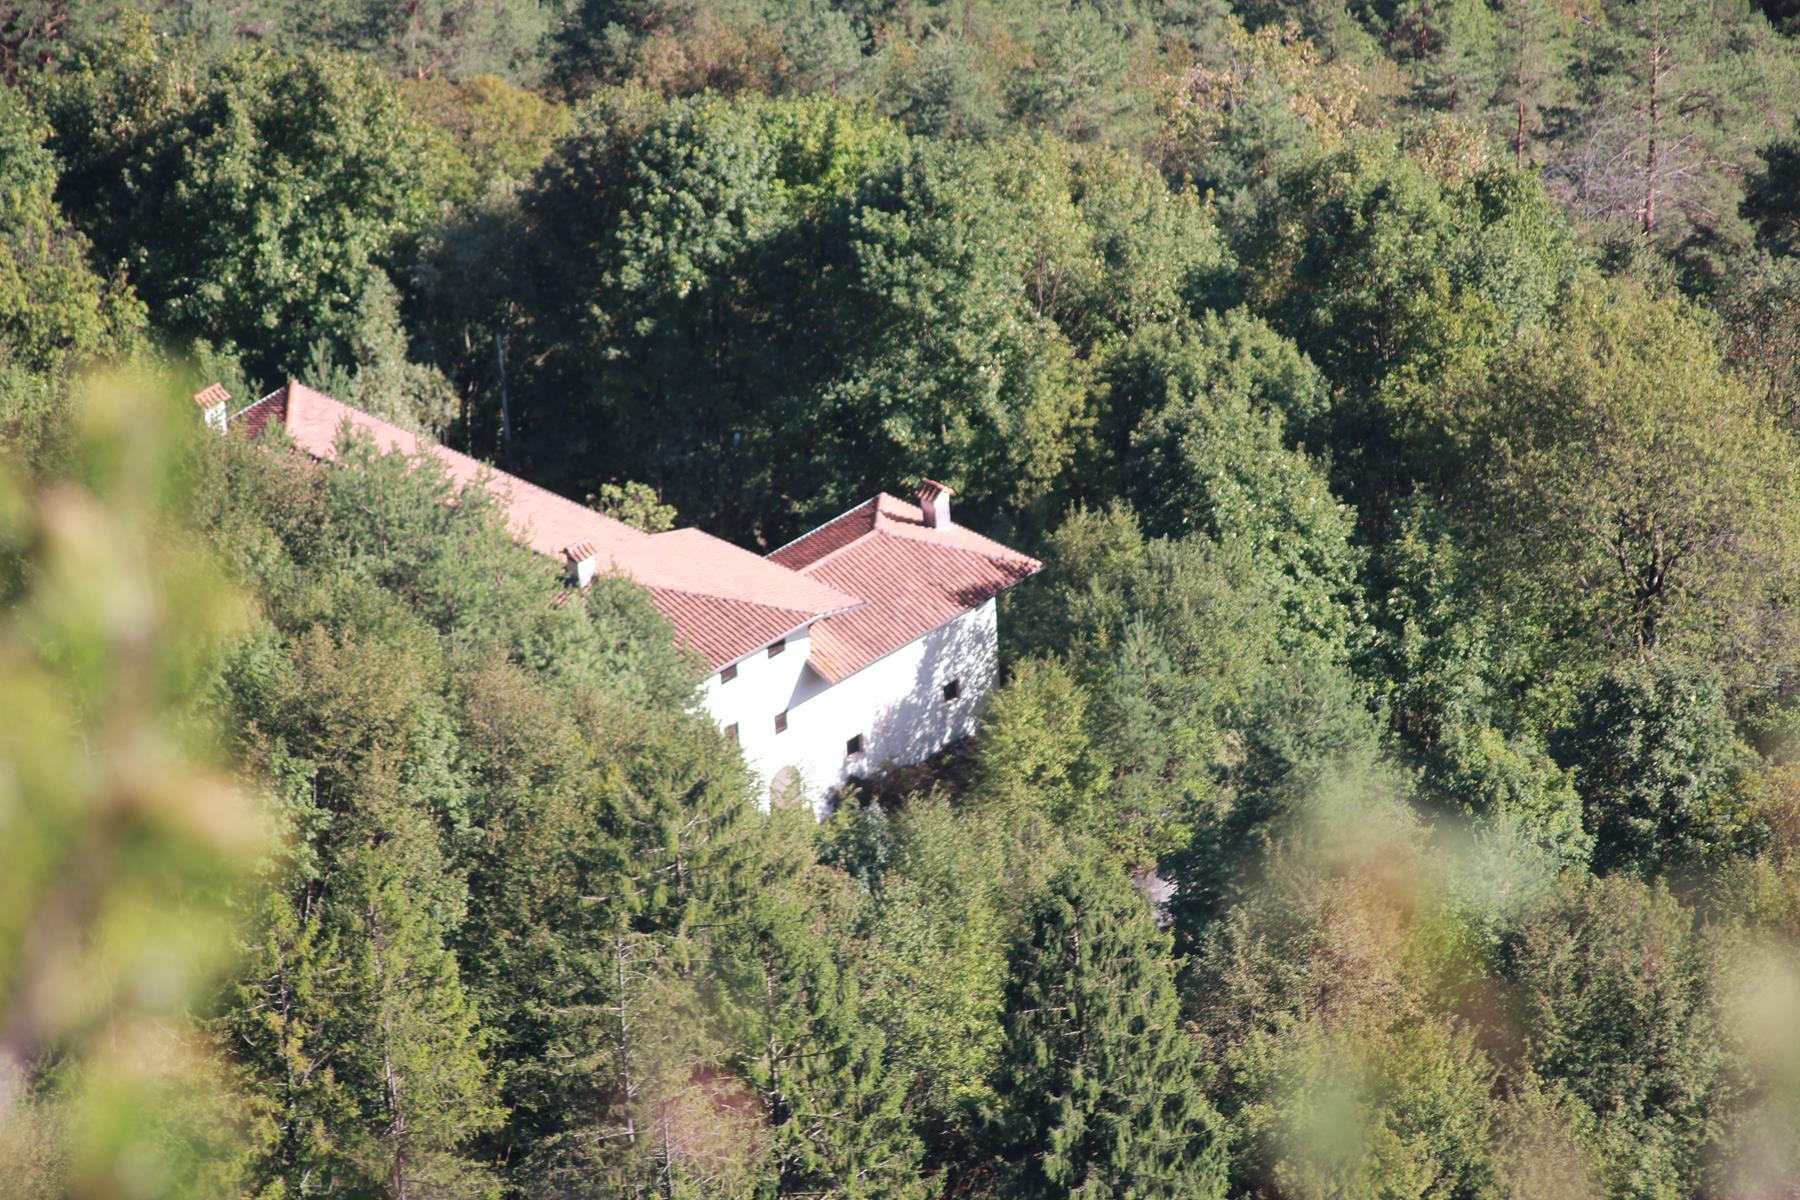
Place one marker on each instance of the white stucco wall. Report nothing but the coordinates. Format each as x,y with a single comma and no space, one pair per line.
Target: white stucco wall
896,703
764,686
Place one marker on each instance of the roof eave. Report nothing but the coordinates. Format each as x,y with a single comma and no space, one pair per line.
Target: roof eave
760,647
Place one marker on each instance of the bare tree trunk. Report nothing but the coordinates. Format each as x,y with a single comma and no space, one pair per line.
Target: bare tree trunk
1650,162
505,405
397,1189
627,1060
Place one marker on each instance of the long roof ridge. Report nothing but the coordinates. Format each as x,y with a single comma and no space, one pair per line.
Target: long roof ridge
826,524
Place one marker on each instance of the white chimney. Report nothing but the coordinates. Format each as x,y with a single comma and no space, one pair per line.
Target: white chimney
582,559
214,401
934,502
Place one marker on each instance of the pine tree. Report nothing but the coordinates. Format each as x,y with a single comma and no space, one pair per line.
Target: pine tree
832,1105
411,1037
1098,1092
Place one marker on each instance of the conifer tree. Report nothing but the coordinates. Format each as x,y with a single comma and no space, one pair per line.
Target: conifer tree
1097,1091
832,1105
410,1039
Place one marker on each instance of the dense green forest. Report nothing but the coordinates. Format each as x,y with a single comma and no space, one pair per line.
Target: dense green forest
1402,394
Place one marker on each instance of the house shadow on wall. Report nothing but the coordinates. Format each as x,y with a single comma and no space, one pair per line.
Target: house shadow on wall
922,737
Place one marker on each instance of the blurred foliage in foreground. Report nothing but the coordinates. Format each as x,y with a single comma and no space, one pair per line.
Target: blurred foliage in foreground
122,836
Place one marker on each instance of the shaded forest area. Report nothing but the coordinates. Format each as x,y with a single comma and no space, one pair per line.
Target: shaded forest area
1402,395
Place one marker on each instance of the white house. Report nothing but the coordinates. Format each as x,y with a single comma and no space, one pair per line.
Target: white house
867,643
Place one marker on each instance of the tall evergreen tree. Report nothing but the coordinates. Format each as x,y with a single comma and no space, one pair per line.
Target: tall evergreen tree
1097,1093
815,1065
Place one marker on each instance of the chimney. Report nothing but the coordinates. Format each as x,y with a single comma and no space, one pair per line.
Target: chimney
934,501
582,560
213,402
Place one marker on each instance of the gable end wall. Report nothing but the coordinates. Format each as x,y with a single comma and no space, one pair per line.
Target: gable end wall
896,703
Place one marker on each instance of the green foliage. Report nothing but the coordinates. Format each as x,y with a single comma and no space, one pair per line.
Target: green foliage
1254,106
380,380
254,202
53,308
1212,465
1393,277
1761,315
733,239
1661,772
1036,750
1203,710
1769,196
1413,557
661,230
1632,486
505,132
815,1067
1453,679
933,938
1096,1092
1381,1113
635,504
121,838
1662,91
1613,1005
1132,766
454,38
1336,1066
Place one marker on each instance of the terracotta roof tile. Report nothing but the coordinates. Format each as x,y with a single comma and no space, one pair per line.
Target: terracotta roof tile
833,535
211,394
699,562
542,520
724,630
913,578
723,600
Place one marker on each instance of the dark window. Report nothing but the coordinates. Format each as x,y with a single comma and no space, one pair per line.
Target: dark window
853,747
728,674
731,732
781,722
952,690
777,646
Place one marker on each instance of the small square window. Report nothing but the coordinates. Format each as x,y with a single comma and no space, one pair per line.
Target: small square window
731,732
728,674
777,646
781,722
853,747
952,690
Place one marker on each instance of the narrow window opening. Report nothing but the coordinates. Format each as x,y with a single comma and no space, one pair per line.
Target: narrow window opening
781,722
728,674
952,690
853,747
777,646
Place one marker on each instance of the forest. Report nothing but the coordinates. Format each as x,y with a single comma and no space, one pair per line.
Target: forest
1403,397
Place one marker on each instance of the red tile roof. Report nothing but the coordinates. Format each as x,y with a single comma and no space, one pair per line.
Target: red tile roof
709,589
211,394
913,578
727,629
542,520
869,581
